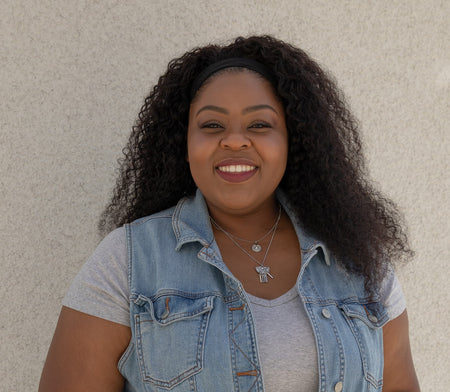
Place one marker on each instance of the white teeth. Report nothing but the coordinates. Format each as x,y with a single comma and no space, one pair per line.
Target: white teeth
236,168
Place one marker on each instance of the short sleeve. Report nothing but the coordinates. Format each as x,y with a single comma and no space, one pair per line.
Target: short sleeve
392,295
101,287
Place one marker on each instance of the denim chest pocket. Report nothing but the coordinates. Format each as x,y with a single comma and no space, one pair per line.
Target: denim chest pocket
366,322
170,332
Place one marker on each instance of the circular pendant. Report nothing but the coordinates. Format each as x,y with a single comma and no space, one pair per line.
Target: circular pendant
256,247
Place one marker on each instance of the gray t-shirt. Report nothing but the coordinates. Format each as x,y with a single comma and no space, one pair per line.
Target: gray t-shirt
288,359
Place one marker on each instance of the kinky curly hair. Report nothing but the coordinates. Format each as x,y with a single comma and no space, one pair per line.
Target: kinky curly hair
325,179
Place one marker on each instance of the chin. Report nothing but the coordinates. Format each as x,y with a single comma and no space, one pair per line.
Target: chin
238,202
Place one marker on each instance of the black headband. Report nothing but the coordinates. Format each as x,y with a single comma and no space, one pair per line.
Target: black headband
230,63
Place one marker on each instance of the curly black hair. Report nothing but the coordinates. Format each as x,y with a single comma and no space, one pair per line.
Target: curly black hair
326,178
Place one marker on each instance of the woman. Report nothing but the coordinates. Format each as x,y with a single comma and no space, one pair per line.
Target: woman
258,256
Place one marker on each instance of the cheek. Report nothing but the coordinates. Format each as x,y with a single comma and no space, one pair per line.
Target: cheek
197,156
200,147
277,150
195,153
278,157
192,147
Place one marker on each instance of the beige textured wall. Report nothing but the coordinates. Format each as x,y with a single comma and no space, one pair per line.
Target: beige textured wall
74,74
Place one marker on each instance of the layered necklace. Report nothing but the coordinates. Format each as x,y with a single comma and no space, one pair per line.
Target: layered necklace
262,270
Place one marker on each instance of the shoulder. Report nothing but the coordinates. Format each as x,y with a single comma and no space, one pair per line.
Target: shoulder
391,295
101,286
164,215
112,242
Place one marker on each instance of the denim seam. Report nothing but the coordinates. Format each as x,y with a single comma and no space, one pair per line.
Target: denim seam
176,218
193,384
341,349
242,351
355,331
232,351
243,323
126,355
184,294
250,325
319,343
143,221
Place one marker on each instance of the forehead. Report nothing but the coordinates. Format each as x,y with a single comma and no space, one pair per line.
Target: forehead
235,84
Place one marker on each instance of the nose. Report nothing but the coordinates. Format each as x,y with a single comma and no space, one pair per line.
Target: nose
235,139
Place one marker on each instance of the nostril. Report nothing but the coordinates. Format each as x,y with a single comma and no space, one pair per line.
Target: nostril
235,143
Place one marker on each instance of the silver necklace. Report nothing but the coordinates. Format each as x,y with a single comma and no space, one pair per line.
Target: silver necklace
262,270
256,246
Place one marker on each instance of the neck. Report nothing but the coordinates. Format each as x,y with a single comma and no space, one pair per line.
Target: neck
249,225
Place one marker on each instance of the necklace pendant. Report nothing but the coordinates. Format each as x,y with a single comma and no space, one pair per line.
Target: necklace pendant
256,247
263,272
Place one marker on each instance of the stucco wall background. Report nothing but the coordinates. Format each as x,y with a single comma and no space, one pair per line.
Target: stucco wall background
73,77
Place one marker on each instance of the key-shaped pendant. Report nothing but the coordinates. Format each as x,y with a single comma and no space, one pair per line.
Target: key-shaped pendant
263,272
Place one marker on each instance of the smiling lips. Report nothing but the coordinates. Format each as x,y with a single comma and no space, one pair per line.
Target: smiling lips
232,172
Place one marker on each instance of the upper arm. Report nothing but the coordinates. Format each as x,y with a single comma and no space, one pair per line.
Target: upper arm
399,374
84,353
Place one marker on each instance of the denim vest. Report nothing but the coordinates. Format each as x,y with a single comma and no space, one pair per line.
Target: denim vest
192,326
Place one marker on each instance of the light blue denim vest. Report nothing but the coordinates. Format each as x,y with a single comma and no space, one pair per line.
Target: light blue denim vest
192,327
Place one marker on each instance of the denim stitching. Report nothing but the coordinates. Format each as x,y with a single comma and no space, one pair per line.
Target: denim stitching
239,324
233,351
341,349
193,384
322,377
126,355
182,376
364,360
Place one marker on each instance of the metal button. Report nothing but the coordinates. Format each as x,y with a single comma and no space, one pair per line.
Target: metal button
338,387
373,318
326,313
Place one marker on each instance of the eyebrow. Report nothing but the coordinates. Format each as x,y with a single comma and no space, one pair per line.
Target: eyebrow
245,111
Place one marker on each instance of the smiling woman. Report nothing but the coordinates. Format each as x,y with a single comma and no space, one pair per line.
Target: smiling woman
249,250
237,135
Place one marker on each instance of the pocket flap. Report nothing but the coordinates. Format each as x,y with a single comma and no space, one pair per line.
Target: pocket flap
373,315
171,307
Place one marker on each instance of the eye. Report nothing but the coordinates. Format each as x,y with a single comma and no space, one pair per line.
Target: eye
260,125
213,125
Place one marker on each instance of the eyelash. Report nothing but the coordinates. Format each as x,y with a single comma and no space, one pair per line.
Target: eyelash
260,124
257,125
212,125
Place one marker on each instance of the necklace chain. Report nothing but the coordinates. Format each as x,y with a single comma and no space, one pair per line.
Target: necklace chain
262,270
256,247
251,241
